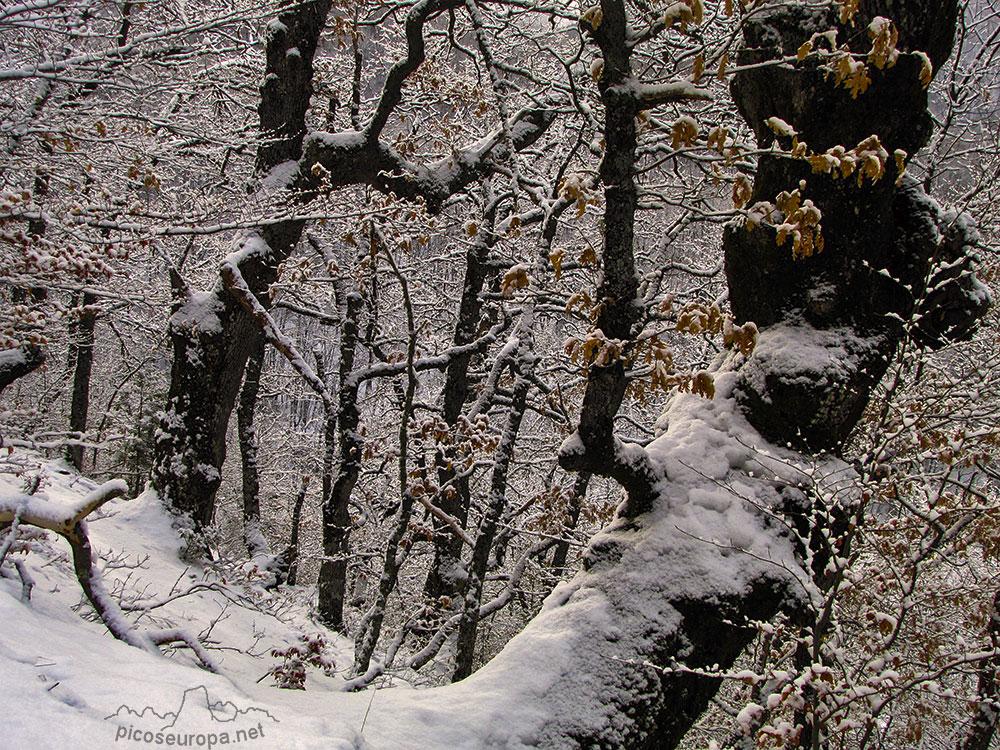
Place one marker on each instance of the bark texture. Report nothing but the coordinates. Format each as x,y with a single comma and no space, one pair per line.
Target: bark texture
886,243
211,334
337,495
82,356
446,575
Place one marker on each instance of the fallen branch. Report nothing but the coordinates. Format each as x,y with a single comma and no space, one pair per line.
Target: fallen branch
67,520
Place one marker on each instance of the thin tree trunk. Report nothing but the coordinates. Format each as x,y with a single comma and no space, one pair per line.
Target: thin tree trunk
395,554
212,335
466,646
446,575
253,536
337,494
82,355
291,554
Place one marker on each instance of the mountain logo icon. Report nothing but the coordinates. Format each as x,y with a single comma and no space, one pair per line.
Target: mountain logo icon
198,721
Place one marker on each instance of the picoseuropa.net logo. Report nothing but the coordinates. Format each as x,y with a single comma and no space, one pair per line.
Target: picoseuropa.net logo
198,722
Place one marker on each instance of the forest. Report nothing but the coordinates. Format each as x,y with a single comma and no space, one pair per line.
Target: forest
500,373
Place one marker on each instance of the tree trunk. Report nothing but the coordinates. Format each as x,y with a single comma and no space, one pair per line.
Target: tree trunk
466,645
856,294
291,554
253,536
337,496
82,356
211,334
446,576
655,595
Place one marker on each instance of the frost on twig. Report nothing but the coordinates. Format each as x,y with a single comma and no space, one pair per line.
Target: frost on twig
68,520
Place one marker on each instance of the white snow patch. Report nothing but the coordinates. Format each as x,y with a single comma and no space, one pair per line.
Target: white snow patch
199,313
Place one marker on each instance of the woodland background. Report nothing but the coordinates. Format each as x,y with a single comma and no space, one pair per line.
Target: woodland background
382,235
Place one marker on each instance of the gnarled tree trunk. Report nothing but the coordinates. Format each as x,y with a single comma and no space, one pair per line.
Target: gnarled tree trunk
668,589
211,334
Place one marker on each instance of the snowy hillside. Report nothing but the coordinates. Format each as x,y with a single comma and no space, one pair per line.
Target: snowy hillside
65,682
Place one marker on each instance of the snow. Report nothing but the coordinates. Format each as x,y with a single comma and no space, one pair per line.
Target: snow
667,92
280,177
578,660
794,350
780,127
11,358
65,680
342,141
199,313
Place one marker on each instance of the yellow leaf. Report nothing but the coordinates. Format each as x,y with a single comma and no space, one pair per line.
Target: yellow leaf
926,70
703,384
698,9
515,278
900,163
556,256
884,36
717,138
594,16
684,131
742,190
850,7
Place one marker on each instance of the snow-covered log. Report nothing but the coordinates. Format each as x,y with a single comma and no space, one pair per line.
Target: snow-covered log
68,521
613,659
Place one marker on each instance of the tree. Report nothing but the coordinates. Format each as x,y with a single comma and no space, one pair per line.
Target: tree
524,206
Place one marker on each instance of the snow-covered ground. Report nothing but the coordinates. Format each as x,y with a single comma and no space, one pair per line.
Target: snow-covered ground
66,683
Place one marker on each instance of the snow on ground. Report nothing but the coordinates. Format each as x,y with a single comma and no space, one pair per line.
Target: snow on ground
65,682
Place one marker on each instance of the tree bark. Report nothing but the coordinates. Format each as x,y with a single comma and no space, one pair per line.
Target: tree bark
337,494
211,334
82,356
446,576
253,536
882,237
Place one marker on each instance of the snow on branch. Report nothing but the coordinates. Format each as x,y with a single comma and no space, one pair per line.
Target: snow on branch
434,362
332,160
68,520
649,95
39,511
237,286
